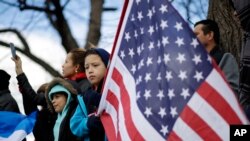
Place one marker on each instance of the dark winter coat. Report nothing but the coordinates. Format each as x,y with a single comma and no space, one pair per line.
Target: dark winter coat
43,129
7,102
229,66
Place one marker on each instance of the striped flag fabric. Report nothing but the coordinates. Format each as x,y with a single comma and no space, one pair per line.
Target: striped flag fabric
161,83
15,126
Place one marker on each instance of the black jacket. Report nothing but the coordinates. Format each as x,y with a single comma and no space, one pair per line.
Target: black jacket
7,102
43,129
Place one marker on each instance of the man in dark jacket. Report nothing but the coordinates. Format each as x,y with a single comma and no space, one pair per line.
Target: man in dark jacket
207,32
242,8
7,102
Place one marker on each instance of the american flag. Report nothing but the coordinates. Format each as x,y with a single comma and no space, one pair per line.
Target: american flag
162,84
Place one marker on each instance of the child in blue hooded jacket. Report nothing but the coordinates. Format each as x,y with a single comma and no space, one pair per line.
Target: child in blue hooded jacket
61,98
84,123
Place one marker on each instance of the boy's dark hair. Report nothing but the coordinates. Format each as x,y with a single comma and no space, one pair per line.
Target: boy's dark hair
210,26
104,55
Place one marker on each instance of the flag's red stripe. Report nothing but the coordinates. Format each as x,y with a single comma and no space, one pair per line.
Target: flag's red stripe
133,133
218,103
108,126
112,99
173,137
198,125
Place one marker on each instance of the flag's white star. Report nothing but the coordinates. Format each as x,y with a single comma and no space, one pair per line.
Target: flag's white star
198,76
138,1
178,26
160,94
197,59
139,50
179,41
164,24
138,95
141,64
162,112
181,58
158,43
132,18
182,75
159,60
148,112
151,46
127,36
148,77
194,42
149,61
164,130
173,111
142,30
165,40
150,14
135,34
209,59
131,52
166,58
139,80
122,54
163,8
159,77
139,15
185,93
133,69
169,75
171,93
147,94
151,30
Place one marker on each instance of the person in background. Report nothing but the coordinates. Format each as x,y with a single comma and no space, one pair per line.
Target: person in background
7,102
207,32
61,98
242,8
84,123
43,129
73,69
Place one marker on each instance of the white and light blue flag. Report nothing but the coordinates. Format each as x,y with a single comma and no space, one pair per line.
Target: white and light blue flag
15,126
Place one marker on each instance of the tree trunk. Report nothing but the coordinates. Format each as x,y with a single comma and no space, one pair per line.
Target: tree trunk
94,33
231,34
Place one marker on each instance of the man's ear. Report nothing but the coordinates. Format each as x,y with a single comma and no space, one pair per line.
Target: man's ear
210,35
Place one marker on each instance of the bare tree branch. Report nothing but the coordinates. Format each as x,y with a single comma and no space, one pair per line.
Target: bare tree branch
26,52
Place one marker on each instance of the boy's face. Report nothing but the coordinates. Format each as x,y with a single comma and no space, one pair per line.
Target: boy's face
95,69
59,101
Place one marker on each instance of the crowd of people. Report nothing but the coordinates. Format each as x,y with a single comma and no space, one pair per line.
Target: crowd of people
69,104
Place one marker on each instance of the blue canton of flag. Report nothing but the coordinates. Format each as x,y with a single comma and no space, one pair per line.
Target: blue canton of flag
162,84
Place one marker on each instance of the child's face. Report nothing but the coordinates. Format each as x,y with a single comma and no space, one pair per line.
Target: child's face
95,69
68,69
59,101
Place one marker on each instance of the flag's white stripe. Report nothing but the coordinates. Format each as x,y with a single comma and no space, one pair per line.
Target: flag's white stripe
183,131
217,82
210,116
121,123
18,135
142,125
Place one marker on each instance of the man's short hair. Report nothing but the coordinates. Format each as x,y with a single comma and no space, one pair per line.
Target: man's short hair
210,25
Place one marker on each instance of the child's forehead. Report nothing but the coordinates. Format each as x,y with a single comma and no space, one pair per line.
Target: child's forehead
93,58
